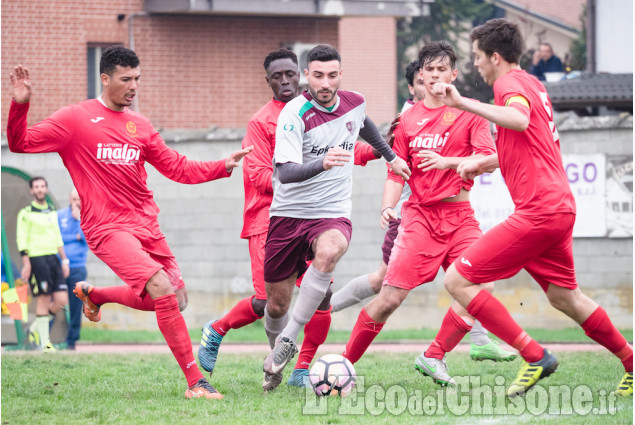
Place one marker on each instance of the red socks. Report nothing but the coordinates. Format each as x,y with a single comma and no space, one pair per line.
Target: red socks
241,315
495,318
121,295
453,329
315,333
174,331
600,329
364,332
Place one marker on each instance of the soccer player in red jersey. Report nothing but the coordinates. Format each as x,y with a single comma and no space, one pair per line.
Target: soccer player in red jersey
437,221
104,146
538,235
282,75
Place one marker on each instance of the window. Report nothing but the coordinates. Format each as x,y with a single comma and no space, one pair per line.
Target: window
93,56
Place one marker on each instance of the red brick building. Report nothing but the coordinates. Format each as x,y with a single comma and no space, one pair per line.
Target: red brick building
200,67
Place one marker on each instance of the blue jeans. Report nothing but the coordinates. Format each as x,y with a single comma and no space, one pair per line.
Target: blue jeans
75,305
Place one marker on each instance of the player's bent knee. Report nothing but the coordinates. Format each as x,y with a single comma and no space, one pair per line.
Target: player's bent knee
258,306
159,285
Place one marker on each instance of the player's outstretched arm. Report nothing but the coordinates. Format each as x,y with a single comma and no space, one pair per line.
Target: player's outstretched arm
470,168
504,116
21,84
233,160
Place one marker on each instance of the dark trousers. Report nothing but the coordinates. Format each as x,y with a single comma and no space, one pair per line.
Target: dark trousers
75,305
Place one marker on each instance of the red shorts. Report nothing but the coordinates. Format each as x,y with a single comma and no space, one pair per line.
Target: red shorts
257,255
136,258
389,239
430,237
289,242
541,245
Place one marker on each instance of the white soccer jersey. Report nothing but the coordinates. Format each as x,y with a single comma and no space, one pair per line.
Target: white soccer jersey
305,132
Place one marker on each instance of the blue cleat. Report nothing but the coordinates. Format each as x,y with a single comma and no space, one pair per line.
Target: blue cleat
299,378
208,350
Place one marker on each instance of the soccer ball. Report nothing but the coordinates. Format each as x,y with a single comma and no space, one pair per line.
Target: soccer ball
332,374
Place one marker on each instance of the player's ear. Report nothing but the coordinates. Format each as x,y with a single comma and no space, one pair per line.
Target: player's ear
105,79
455,73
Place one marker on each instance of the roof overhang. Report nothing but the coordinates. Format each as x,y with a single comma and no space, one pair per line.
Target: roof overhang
312,8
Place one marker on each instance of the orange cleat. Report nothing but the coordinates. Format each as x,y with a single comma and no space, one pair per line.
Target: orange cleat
202,389
91,310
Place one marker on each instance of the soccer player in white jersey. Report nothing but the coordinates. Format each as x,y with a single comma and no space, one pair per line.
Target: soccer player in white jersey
311,207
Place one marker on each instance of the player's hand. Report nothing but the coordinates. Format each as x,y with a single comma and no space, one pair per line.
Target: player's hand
26,273
233,159
431,160
400,168
387,214
21,83
448,95
66,270
390,136
336,157
469,169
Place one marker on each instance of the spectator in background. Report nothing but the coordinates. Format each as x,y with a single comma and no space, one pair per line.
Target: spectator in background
545,61
76,250
39,241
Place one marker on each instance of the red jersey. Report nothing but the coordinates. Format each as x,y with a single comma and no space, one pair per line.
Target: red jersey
258,166
105,152
530,161
447,131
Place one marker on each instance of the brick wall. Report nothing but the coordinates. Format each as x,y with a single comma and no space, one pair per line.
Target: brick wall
197,71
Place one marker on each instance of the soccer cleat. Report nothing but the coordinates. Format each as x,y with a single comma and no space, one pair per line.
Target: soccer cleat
90,309
271,382
299,378
282,353
202,389
208,350
435,369
49,348
625,388
491,351
530,373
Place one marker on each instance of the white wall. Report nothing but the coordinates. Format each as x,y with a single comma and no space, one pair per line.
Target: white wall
614,36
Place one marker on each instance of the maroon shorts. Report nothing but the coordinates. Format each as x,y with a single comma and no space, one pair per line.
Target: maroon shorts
136,258
430,237
289,242
541,245
389,239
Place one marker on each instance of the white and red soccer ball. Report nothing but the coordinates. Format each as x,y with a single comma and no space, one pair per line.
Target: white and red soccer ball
332,374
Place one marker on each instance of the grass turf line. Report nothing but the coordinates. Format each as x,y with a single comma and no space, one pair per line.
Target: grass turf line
75,388
255,333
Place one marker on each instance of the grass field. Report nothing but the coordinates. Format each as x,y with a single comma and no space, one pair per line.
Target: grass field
78,388
255,333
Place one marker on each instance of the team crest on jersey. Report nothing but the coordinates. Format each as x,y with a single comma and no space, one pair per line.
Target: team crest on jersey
131,127
350,126
449,117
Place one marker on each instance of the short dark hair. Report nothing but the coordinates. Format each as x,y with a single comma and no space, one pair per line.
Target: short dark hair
117,55
323,53
282,53
411,69
437,50
500,36
36,178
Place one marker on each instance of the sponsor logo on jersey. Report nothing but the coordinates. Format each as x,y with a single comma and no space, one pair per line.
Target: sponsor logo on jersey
117,153
449,117
429,141
288,127
311,115
423,121
96,120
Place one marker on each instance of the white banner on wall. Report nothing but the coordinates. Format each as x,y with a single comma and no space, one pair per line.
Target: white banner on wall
587,176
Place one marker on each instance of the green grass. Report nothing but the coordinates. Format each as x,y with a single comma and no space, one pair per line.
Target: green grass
74,388
255,333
